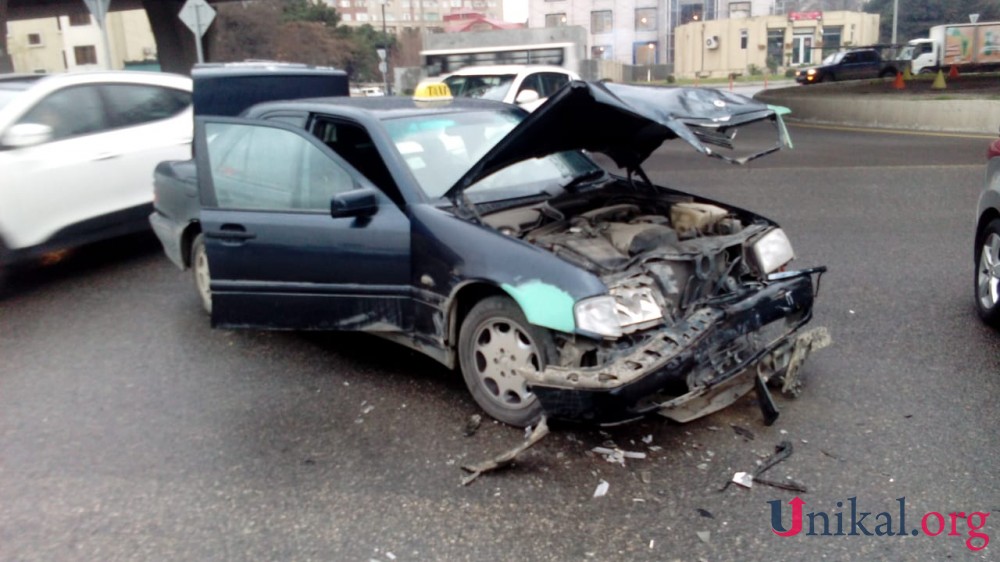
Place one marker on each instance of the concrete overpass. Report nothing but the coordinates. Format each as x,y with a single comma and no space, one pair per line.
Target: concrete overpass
174,41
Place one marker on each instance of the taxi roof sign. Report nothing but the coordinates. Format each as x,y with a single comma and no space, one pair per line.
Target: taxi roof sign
432,91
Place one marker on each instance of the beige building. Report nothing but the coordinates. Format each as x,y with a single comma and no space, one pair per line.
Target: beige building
718,48
73,42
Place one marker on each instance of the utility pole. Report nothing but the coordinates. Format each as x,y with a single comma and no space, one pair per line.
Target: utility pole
895,19
384,63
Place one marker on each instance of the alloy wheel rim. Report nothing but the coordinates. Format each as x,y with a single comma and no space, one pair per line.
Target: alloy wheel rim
502,349
988,282
203,277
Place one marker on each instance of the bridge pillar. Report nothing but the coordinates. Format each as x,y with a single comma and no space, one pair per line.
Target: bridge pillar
174,41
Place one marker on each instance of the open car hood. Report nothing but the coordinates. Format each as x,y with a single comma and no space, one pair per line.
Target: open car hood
627,123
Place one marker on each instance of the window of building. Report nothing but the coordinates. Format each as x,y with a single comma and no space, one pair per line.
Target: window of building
430,3
362,16
691,12
831,39
744,39
346,17
360,3
600,21
555,20
79,18
602,52
645,19
407,16
644,53
432,16
775,48
345,3
85,54
35,39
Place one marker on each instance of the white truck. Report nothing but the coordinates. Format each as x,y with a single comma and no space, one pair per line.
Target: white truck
968,46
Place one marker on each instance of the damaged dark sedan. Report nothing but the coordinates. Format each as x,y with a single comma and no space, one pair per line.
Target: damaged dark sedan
489,240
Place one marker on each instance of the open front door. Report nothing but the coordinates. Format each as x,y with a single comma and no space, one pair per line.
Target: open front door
277,258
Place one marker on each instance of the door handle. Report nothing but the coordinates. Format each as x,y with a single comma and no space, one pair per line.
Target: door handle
231,232
106,156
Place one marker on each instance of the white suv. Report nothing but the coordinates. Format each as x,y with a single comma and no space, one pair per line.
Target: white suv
77,153
526,85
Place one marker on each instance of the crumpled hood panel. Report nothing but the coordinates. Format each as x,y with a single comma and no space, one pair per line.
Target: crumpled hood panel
625,122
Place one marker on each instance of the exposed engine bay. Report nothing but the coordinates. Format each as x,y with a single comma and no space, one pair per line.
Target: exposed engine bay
669,251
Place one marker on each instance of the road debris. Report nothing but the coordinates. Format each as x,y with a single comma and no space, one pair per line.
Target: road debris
472,425
602,489
743,432
645,476
782,451
504,459
743,479
648,439
705,513
615,455
705,536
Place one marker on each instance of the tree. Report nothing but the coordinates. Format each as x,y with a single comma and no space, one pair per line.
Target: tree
297,31
916,17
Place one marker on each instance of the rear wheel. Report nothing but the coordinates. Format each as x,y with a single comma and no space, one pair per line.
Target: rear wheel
494,345
202,275
988,275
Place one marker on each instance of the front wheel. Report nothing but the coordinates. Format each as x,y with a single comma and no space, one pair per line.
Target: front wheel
201,273
988,275
495,344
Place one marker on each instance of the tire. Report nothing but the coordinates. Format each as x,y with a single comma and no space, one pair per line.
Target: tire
987,278
495,338
201,273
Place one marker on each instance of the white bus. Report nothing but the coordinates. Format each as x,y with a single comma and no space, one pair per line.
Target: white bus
443,61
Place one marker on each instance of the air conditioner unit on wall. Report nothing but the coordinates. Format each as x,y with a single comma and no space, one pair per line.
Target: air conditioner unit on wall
712,42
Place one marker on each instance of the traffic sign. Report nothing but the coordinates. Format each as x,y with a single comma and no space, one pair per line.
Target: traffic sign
197,15
381,54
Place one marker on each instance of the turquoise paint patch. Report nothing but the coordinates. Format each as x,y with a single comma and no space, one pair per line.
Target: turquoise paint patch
780,110
544,305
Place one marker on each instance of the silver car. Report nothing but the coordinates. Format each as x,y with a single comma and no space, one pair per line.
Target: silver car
987,248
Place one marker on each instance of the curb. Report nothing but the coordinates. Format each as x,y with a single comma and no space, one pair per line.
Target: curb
977,116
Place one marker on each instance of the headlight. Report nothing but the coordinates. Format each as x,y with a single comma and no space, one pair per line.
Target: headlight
635,306
597,315
772,250
811,71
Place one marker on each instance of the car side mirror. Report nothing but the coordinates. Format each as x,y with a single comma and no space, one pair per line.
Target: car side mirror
358,203
26,134
526,96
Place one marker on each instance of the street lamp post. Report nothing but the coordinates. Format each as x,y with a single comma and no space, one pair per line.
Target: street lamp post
895,19
385,38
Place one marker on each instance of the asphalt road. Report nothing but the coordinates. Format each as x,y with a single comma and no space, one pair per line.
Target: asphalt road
131,430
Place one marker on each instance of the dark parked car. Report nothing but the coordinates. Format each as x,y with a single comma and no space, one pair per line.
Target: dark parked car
856,64
987,248
485,238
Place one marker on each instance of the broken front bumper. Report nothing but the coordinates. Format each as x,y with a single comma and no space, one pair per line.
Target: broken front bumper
637,383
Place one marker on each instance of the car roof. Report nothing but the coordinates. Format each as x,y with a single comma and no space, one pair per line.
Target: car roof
507,69
123,76
382,107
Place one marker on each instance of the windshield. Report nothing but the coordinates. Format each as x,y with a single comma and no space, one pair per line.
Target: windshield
833,58
439,149
486,86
